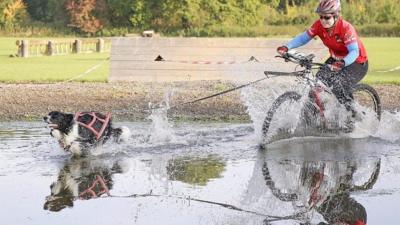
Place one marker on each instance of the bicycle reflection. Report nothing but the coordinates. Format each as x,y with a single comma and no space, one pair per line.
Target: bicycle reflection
322,187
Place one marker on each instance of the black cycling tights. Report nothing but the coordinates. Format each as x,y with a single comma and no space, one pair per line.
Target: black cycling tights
342,82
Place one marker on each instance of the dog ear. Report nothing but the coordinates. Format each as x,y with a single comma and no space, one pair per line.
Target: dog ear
69,118
67,121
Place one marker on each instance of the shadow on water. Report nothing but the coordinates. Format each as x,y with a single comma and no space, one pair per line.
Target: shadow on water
227,180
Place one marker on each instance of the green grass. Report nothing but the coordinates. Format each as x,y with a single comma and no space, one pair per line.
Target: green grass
383,53
49,69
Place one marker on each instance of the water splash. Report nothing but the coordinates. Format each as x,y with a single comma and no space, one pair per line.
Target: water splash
365,124
161,131
259,98
389,126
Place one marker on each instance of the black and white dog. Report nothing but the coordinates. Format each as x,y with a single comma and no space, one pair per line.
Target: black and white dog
78,133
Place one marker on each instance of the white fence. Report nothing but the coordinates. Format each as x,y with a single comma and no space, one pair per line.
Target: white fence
30,48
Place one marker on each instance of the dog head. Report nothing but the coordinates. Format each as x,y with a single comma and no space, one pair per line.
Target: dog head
58,120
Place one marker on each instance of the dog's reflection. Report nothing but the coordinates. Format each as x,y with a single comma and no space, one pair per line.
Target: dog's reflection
83,179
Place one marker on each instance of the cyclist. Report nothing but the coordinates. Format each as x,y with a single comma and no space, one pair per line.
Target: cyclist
348,62
342,209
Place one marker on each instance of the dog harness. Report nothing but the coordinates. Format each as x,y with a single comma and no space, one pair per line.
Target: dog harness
95,119
98,188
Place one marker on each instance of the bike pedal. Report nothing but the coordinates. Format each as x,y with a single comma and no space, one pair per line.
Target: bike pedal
347,130
349,127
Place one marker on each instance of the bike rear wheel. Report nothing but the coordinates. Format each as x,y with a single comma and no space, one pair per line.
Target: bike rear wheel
367,97
289,96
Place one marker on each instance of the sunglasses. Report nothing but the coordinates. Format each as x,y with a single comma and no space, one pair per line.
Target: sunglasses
325,17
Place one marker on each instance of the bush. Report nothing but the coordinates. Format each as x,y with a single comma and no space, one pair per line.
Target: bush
38,29
241,31
379,30
114,31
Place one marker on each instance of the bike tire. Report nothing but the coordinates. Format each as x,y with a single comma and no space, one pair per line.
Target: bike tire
374,97
287,96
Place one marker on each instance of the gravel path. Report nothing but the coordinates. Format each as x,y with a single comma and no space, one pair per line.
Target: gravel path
129,100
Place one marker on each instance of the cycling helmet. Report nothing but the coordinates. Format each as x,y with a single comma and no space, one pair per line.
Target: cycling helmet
328,7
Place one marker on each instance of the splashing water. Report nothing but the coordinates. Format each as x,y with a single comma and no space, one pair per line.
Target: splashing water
389,126
161,131
259,98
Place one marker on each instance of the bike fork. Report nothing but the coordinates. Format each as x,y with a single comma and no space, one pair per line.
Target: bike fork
315,95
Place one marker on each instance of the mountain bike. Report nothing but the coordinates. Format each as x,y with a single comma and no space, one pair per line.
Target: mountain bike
313,110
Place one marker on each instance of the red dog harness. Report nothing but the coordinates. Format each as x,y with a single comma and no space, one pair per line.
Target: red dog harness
98,188
95,119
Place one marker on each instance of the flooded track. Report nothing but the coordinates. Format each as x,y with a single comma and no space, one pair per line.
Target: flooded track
199,174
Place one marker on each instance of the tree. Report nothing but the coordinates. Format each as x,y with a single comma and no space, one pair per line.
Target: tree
120,11
50,11
12,13
82,17
175,15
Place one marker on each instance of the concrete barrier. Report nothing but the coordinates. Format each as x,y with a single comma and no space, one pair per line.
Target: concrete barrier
186,59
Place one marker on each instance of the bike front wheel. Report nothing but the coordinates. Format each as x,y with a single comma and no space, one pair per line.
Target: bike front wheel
287,97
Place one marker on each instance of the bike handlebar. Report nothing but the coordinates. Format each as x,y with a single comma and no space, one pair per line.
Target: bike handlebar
301,59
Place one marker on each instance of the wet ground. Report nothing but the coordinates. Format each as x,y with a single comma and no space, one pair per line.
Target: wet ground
199,174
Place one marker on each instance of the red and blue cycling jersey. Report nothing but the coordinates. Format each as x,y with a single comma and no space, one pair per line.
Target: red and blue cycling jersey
343,41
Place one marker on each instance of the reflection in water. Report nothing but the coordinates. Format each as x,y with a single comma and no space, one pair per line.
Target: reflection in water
217,176
81,178
193,170
322,187
318,191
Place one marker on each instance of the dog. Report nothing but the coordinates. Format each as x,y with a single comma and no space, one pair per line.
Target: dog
80,132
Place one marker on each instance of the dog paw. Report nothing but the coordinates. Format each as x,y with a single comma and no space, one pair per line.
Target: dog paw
75,149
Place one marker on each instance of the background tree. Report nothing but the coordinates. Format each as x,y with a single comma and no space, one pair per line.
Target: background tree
12,13
191,17
120,12
49,11
82,16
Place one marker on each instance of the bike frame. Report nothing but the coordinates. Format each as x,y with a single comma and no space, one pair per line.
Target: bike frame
316,87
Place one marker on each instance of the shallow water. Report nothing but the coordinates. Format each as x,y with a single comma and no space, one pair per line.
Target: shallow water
198,174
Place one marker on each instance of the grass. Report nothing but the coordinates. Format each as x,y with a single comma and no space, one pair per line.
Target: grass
383,53
49,69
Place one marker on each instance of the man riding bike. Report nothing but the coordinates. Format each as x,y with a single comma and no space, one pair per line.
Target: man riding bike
348,62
